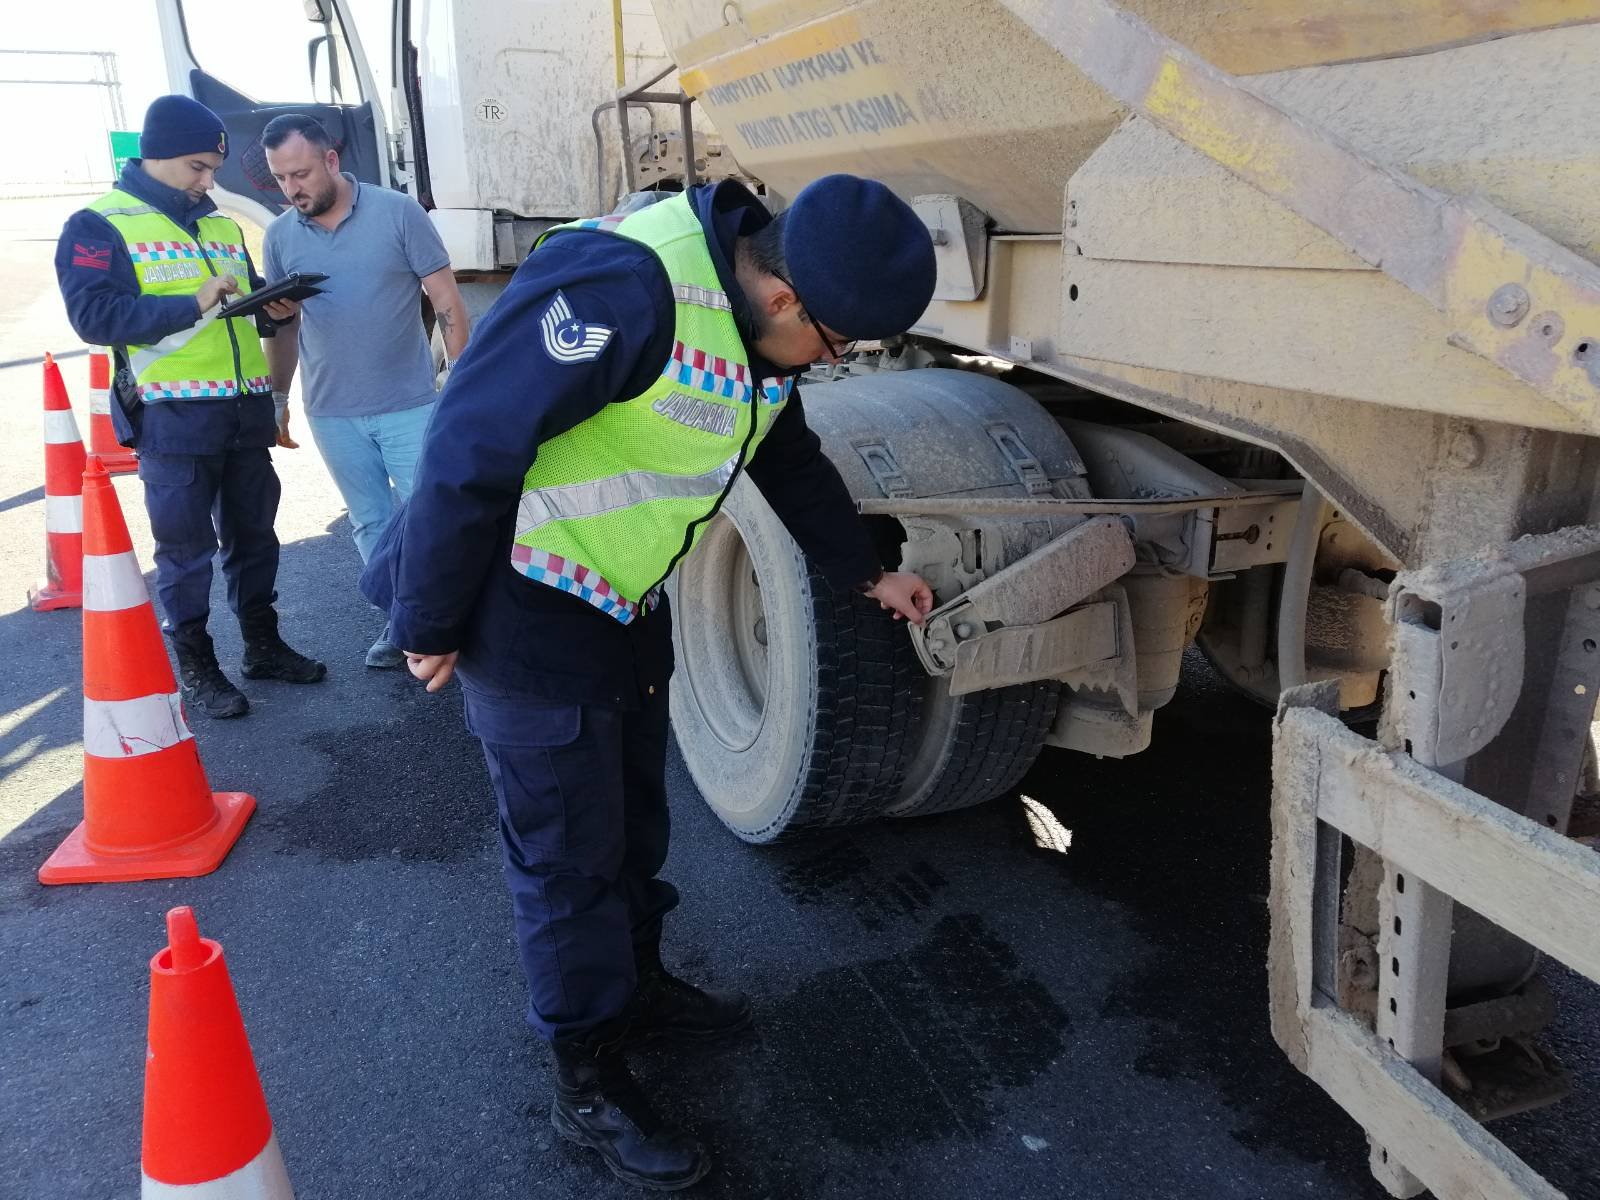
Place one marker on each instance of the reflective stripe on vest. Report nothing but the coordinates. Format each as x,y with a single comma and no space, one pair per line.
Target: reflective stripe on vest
212,357
615,492
687,293
610,506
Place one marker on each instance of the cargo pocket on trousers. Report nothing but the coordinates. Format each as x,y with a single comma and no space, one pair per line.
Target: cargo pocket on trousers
162,471
514,723
538,765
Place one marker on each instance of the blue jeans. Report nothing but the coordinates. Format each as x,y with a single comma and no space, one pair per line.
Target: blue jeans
364,454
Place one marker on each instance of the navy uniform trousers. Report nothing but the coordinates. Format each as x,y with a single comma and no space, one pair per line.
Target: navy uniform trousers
198,502
584,827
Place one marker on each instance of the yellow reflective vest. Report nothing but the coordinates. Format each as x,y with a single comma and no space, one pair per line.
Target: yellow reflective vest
212,357
609,507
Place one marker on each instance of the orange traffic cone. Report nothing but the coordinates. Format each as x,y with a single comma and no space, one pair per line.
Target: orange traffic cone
118,459
148,812
207,1132
62,586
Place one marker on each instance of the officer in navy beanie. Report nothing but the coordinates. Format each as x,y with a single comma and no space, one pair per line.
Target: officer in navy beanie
192,391
177,125
859,259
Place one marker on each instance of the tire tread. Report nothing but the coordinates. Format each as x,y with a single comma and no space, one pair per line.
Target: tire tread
867,704
996,737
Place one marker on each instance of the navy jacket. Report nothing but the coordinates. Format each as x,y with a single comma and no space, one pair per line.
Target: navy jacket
107,308
442,569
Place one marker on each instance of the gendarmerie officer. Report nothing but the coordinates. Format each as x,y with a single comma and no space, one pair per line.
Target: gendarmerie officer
634,367
143,270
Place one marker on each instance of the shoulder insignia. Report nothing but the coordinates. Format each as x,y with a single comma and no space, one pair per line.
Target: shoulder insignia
94,255
567,339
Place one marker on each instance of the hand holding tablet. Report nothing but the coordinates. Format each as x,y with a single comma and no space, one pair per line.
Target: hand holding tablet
298,286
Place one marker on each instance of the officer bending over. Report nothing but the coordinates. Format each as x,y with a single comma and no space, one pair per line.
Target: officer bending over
632,369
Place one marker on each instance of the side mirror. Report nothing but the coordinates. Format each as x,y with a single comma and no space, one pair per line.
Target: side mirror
315,12
316,44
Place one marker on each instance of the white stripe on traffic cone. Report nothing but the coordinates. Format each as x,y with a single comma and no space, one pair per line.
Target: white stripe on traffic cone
112,582
262,1178
126,728
60,428
63,514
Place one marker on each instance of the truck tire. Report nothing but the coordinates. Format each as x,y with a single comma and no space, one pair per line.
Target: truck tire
793,704
976,747
938,430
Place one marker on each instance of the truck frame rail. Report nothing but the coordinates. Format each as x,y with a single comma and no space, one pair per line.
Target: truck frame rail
1440,843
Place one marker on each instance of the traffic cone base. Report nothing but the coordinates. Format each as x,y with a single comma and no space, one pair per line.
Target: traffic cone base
116,458
75,861
44,598
48,595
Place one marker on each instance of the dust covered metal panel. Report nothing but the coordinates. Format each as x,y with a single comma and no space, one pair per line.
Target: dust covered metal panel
1511,294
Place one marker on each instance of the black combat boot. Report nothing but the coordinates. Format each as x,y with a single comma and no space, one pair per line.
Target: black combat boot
598,1104
665,1006
205,688
268,656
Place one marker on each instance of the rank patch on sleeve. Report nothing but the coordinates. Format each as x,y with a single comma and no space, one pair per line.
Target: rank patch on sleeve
94,255
569,339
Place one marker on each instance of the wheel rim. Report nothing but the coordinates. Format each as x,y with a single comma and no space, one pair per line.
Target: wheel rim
722,628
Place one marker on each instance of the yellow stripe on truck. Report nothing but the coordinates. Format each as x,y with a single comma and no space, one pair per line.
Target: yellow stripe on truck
824,36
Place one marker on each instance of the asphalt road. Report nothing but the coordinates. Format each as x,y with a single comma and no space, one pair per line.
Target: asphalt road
945,1008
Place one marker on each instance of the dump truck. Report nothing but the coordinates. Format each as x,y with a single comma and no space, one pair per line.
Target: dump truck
1266,328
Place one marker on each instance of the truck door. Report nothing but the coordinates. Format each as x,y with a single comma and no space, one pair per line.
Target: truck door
252,62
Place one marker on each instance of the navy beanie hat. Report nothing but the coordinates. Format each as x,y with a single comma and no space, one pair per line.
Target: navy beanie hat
860,260
177,125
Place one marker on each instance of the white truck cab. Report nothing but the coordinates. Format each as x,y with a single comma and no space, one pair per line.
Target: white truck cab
489,113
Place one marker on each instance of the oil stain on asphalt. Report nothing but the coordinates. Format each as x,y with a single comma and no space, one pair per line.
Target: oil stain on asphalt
911,1033
391,795
841,871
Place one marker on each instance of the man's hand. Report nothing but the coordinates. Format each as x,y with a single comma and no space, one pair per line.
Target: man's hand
434,669
213,290
283,311
905,594
282,406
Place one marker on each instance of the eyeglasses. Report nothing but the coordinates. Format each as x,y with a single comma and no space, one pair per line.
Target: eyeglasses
834,351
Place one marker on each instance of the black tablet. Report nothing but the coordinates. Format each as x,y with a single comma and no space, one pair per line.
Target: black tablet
298,286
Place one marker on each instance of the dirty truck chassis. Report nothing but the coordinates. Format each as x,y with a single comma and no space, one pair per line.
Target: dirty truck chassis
1389,977
1393,981
1440,843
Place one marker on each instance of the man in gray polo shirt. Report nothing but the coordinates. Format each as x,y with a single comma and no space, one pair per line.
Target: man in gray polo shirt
368,383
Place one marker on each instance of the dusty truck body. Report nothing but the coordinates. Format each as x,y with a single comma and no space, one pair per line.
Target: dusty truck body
1272,328
1309,292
